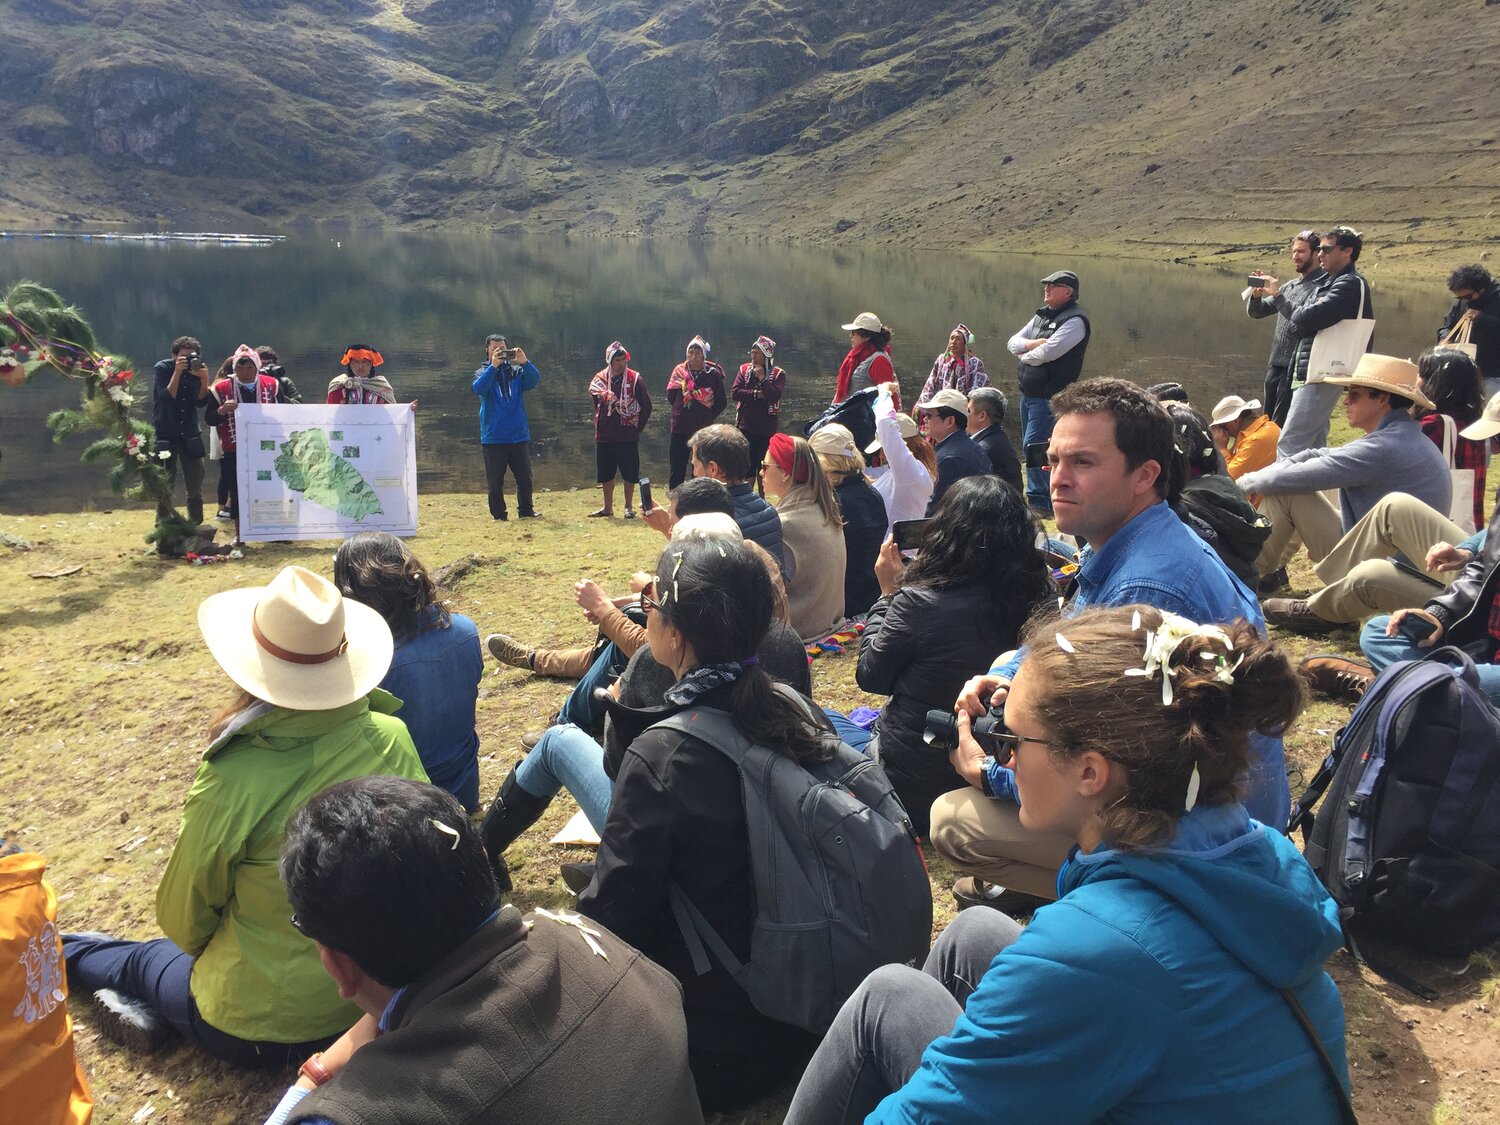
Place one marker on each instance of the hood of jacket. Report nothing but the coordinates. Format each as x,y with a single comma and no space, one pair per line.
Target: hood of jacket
279,728
1245,884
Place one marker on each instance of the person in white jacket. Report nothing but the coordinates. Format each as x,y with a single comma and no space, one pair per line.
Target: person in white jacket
911,468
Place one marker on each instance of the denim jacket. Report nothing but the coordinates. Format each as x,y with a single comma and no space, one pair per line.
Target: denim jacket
1157,560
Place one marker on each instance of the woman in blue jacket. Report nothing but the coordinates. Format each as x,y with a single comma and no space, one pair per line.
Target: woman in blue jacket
1160,986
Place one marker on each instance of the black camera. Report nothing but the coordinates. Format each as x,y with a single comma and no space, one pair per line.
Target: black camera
194,359
940,731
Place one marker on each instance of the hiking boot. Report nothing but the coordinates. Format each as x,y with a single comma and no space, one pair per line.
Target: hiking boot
510,651
970,891
531,738
1295,614
1275,580
1336,676
512,812
577,876
129,1022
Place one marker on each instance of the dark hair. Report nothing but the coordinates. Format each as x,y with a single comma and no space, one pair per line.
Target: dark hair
349,367
1195,453
1088,703
1167,392
494,338
1348,238
379,570
982,534
186,343
991,400
1143,429
881,339
726,447
388,871
267,354
226,368
1450,378
717,594
1471,276
697,495
1309,236
1397,402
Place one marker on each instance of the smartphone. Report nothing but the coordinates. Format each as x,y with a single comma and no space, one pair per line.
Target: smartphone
908,534
1415,629
1255,281
1036,455
645,483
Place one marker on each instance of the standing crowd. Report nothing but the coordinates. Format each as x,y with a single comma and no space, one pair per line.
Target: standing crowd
1085,719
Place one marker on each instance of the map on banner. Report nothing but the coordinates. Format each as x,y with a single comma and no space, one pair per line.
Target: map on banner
325,472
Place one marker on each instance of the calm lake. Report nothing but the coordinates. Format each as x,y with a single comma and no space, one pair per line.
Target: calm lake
427,301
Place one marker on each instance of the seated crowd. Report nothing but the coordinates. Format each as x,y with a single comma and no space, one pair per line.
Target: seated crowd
335,900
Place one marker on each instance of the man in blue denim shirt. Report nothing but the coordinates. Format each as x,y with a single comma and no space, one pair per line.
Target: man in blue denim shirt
1107,455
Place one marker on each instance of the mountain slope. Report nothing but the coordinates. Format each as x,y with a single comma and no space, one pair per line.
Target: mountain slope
1179,128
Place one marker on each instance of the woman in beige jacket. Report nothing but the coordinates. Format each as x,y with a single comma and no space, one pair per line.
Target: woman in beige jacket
812,535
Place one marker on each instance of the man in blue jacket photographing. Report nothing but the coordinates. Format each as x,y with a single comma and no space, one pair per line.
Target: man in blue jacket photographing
504,434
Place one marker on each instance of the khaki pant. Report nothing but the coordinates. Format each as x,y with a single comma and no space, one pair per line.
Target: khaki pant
1360,578
984,837
563,663
1309,516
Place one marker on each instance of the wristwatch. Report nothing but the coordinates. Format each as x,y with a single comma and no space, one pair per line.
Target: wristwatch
314,1070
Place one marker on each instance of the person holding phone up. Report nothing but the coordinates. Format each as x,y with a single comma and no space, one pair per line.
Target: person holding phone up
180,385
504,432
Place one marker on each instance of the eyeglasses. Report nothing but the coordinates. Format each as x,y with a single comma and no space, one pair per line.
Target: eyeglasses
1354,394
1056,285
1008,743
297,925
648,595
1329,249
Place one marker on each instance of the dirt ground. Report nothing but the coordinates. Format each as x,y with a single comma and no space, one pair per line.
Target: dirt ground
106,690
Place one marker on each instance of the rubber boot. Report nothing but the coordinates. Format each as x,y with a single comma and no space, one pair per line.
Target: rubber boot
512,812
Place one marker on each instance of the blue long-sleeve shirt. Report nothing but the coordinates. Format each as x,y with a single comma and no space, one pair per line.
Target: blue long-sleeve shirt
502,411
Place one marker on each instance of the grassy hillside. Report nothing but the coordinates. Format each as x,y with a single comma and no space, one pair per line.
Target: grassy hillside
1167,128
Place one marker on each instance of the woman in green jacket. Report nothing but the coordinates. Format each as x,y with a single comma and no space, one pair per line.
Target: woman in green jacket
233,976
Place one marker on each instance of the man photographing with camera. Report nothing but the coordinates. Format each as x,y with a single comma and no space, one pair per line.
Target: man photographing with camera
178,390
504,433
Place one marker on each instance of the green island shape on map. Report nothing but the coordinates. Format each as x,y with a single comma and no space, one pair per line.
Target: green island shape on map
308,466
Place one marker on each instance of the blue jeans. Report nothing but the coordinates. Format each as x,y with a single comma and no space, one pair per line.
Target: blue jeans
1307,419
876,1041
1382,651
567,758
160,974
1036,426
581,709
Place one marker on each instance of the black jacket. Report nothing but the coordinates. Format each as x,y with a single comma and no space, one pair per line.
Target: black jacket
1464,607
176,417
1004,463
1335,299
919,647
1485,331
1239,530
864,530
1043,380
957,457
677,815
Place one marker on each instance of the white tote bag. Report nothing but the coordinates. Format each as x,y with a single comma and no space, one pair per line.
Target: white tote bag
1459,337
1461,507
1336,349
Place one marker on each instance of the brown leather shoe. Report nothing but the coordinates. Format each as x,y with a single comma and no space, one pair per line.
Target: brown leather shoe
970,891
531,738
1336,676
1295,614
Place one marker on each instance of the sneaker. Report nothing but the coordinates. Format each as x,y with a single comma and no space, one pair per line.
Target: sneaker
129,1022
502,517
1276,580
577,876
1295,614
1337,676
970,891
531,515
223,514
510,651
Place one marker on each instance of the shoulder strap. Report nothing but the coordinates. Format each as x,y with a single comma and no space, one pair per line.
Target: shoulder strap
1450,431
1346,1107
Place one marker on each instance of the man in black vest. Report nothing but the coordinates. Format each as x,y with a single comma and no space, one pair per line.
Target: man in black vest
474,1014
1050,349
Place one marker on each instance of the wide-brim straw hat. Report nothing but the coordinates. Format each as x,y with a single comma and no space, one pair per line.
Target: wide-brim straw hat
1231,407
1385,373
297,643
906,424
1488,424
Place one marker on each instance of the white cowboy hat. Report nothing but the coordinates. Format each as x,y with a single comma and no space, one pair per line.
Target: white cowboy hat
1488,424
1385,373
297,643
865,322
1230,408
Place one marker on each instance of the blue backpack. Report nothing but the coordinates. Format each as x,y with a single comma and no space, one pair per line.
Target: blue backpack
841,887
1408,840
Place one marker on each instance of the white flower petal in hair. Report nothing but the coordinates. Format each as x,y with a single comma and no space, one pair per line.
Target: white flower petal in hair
1195,781
1063,643
446,830
1162,642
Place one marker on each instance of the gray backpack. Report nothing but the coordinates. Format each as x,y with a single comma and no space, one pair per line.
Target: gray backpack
840,883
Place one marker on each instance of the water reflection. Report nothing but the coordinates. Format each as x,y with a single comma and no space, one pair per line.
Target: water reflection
427,301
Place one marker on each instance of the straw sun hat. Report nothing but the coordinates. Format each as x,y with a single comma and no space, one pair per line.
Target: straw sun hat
1385,373
297,643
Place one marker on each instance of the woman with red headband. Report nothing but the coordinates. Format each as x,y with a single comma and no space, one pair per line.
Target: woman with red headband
812,536
357,384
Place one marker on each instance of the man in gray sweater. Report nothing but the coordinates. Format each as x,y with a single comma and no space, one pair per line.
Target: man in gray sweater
1394,456
1259,303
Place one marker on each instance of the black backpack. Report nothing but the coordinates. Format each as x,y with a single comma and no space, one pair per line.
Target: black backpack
856,413
1408,840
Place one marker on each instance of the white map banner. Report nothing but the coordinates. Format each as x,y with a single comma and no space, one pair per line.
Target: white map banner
325,472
